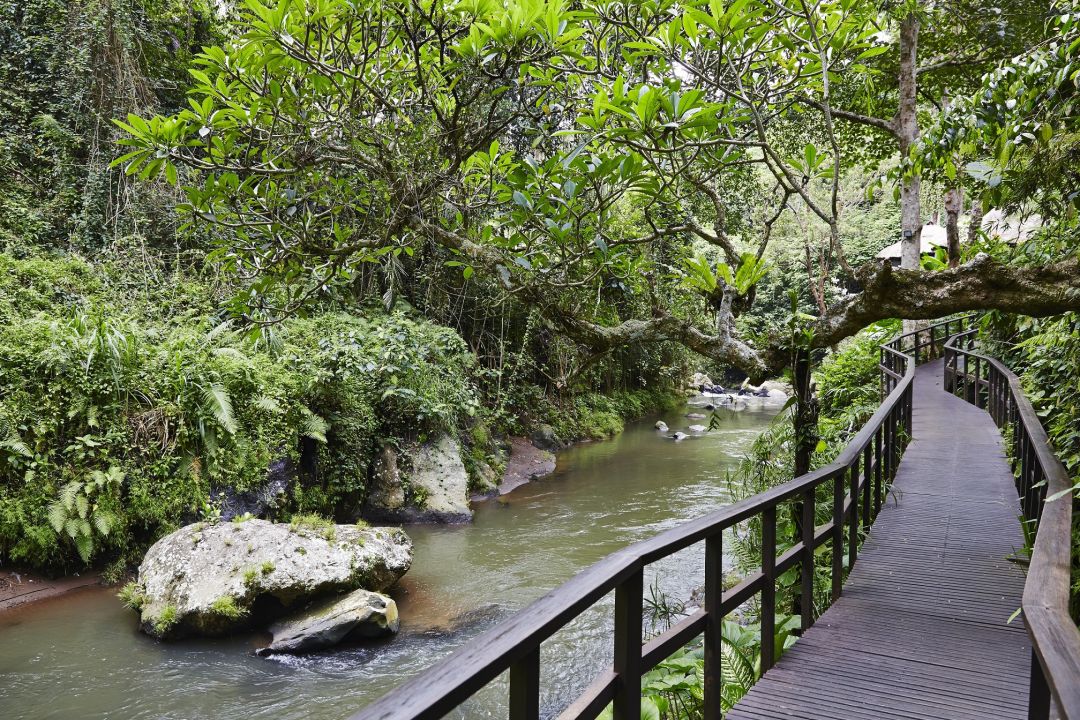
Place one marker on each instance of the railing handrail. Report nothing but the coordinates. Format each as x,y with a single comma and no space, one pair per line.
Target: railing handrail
514,643
1054,635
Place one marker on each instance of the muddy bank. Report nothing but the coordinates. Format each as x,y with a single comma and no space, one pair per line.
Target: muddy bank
17,589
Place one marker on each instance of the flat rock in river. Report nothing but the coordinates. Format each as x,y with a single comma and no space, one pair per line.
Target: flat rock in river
211,579
360,614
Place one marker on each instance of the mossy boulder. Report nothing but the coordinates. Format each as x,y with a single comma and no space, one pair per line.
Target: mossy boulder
426,482
212,579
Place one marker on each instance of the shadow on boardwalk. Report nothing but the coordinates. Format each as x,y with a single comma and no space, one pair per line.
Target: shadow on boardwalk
921,630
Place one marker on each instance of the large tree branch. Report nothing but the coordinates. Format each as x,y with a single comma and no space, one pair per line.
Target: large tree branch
886,126
723,346
981,284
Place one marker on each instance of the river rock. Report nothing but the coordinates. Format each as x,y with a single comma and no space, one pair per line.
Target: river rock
695,416
661,426
679,436
259,500
212,579
358,615
425,483
545,438
698,379
698,428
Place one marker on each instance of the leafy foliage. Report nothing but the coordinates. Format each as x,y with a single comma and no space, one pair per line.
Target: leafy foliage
118,424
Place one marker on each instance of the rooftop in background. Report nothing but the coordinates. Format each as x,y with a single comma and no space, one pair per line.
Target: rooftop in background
933,236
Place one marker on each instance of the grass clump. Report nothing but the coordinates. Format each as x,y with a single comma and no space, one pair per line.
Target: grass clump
166,620
133,596
226,607
315,524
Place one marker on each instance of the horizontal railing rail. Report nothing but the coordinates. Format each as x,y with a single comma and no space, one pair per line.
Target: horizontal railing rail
1055,666
858,476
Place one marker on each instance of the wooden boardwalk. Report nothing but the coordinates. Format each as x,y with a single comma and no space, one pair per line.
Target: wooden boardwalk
921,630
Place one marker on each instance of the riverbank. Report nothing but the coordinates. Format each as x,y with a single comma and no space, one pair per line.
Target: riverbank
18,589
83,655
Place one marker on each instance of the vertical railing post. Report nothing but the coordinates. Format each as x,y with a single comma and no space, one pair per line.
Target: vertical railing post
1038,692
768,589
869,499
838,536
853,516
714,592
806,604
525,687
628,607
879,484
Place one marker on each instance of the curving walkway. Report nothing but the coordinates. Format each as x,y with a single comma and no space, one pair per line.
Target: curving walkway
921,630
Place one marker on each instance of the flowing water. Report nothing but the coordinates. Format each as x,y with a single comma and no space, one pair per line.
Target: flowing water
80,656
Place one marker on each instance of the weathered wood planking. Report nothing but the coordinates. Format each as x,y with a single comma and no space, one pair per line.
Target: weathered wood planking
921,629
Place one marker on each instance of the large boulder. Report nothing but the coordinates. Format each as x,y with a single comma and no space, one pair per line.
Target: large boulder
385,491
212,579
358,615
426,483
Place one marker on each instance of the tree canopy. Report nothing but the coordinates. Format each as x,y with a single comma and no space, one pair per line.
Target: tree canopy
528,142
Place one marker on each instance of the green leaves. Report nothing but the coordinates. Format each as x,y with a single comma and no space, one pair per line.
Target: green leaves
81,510
700,274
218,404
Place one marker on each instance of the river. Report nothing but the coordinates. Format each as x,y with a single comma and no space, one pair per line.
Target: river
80,656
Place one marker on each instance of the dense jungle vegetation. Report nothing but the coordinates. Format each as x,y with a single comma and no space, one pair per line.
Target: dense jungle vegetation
236,237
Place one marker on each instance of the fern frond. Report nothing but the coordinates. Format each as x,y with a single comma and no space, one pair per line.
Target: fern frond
217,402
231,353
104,521
68,494
313,426
15,444
85,545
82,505
267,404
57,515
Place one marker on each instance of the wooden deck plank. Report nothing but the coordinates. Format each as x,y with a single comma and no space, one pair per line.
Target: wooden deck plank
922,629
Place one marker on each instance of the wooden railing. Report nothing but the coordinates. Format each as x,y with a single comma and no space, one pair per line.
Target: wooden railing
1055,640
858,478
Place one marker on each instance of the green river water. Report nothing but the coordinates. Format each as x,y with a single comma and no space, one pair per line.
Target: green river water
80,656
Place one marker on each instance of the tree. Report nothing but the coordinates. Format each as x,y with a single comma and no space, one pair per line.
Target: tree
332,134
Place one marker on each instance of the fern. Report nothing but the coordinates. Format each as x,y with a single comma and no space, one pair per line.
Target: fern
57,516
104,522
68,493
13,442
268,404
217,402
231,353
313,426
85,545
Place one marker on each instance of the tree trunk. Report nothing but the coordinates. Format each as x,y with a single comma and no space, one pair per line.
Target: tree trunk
954,202
806,414
907,125
976,221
